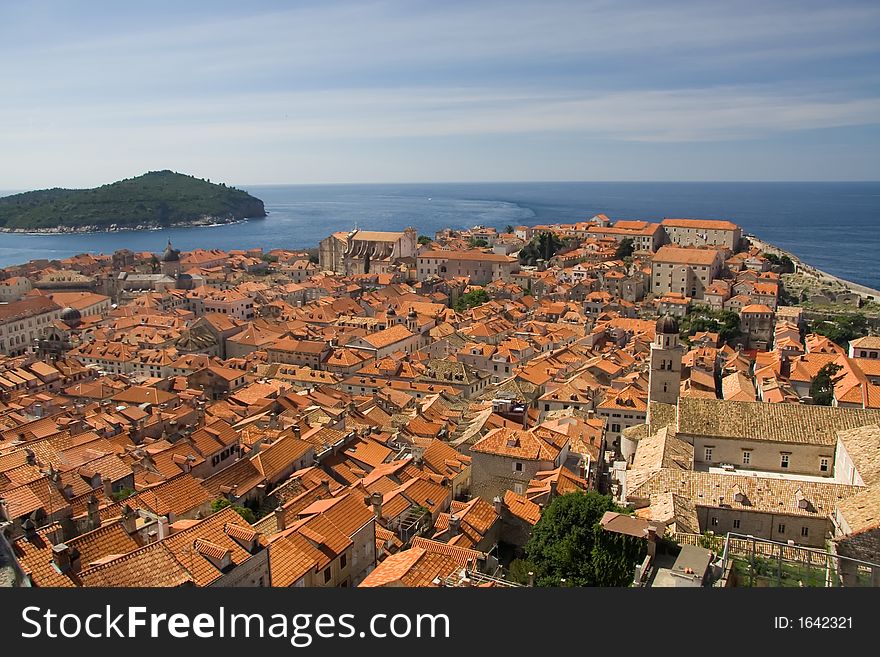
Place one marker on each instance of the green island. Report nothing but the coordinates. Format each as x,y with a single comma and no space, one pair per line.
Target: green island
156,199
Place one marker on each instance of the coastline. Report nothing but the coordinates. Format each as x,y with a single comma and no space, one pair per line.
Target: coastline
822,277
209,222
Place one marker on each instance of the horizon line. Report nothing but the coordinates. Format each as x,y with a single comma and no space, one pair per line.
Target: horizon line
12,191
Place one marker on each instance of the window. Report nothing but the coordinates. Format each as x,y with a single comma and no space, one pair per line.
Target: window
805,531
780,528
342,561
714,521
518,467
823,464
327,575
615,428
736,524
708,458
784,463
747,458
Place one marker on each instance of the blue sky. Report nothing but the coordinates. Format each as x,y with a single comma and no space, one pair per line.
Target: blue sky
314,92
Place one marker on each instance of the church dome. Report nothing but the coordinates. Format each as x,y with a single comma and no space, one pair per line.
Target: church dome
185,282
667,324
70,316
391,312
412,314
170,254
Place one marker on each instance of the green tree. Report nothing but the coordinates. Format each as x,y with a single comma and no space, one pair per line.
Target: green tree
519,570
723,322
243,511
471,299
542,247
822,386
123,494
508,229
478,243
569,543
625,249
424,239
842,328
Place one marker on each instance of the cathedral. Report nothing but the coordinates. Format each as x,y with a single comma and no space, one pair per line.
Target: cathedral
366,251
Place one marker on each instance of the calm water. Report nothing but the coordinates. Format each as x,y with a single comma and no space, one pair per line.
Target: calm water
833,226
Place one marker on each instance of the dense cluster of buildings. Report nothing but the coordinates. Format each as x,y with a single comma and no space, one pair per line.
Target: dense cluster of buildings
242,418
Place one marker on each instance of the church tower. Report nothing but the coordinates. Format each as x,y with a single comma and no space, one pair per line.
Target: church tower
170,261
664,379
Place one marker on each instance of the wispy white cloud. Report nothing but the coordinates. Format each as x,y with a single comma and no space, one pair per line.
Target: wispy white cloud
706,114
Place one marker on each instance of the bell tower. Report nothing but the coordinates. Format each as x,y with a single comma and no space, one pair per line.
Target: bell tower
170,261
664,378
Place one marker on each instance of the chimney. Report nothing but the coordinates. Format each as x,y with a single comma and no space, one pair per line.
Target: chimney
108,486
31,457
531,578
279,518
4,509
129,519
163,527
61,557
30,529
498,503
94,518
454,525
652,541
554,483
376,501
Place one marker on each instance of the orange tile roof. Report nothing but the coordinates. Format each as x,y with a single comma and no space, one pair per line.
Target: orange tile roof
102,542
522,508
686,256
705,224
516,444
415,567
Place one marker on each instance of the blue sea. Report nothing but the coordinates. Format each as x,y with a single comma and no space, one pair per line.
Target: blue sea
833,226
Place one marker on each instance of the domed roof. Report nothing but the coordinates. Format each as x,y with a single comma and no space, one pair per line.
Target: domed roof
391,312
170,254
412,314
185,281
667,324
70,316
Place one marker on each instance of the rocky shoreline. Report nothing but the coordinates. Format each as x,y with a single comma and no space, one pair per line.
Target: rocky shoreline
821,277
205,222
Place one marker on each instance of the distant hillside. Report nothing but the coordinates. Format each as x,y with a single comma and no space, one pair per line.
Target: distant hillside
155,199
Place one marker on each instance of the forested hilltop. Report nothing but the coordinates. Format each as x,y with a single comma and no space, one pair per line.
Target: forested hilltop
155,199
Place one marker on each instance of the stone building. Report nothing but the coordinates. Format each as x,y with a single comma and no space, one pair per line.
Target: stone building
479,267
366,251
507,459
757,324
686,271
703,232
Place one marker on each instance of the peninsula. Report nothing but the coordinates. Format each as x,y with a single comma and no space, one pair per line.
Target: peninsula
157,199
